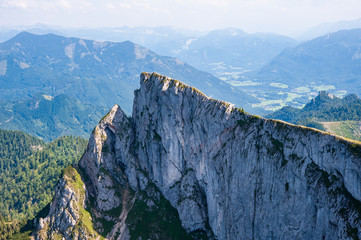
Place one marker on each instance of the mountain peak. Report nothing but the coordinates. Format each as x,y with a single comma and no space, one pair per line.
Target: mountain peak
194,161
157,85
25,36
322,98
165,82
324,94
113,115
227,32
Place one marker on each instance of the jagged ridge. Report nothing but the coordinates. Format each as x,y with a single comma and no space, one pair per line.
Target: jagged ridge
228,174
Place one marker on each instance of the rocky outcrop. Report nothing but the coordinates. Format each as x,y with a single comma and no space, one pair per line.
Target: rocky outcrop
67,216
185,166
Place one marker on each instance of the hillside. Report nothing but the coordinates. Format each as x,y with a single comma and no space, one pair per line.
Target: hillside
329,63
348,129
149,37
326,28
29,168
101,73
232,49
232,53
186,166
332,61
48,117
340,116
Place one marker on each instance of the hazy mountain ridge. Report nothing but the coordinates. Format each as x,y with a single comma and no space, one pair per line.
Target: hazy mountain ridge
293,77
93,72
326,28
218,52
220,168
329,63
145,36
332,60
232,50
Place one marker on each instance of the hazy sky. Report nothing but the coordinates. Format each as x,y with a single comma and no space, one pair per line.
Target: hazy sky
289,17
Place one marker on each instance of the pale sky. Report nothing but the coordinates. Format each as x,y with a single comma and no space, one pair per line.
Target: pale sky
289,17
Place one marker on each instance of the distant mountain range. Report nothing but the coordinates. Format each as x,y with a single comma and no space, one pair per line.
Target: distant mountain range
145,36
104,73
217,52
333,60
231,50
89,76
329,63
258,72
326,28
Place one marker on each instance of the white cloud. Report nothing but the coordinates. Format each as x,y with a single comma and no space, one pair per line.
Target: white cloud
110,5
14,3
285,16
45,4
124,5
64,4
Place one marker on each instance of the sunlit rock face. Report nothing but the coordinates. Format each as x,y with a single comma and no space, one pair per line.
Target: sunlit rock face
215,172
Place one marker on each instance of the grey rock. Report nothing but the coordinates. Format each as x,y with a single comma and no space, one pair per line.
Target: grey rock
229,174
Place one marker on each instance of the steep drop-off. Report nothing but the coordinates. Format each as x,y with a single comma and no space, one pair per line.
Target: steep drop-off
185,166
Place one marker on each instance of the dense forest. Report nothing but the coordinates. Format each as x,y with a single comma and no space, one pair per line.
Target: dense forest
29,169
12,229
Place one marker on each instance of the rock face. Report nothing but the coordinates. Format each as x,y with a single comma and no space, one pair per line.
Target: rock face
185,166
67,216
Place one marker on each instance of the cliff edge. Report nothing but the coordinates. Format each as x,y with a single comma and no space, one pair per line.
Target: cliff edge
186,166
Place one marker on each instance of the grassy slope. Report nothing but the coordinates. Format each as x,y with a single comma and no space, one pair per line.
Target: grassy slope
348,129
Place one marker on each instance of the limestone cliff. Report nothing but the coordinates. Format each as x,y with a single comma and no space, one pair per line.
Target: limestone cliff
185,166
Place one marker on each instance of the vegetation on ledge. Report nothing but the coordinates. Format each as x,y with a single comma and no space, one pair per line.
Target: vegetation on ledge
325,110
29,169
